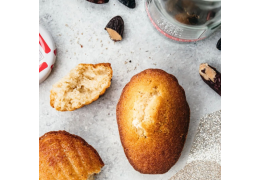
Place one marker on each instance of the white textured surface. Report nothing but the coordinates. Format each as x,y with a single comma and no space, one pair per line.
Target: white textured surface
204,161
73,23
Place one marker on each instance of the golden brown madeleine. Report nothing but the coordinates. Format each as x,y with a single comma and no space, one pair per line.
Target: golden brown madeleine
83,85
66,156
153,119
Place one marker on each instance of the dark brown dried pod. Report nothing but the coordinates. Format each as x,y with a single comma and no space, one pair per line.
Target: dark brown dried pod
115,28
128,3
211,77
98,1
219,44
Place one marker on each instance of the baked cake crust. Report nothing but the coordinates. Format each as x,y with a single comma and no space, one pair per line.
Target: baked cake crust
83,85
66,156
153,120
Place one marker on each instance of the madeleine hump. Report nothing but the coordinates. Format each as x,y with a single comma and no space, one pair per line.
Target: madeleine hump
66,156
153,119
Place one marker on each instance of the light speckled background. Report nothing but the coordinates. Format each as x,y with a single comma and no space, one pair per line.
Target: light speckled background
76,23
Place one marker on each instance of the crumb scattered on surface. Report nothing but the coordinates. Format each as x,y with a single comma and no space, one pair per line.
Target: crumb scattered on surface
81,46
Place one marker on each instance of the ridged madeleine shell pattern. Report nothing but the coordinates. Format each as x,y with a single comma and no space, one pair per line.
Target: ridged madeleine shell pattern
66,156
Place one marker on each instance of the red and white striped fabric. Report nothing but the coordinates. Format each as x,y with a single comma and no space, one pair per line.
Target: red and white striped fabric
47,53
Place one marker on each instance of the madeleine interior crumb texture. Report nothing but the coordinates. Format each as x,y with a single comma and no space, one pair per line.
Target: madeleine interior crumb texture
66,156
153,120
83,85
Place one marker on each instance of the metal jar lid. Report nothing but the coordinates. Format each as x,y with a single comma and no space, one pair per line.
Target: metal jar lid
47,53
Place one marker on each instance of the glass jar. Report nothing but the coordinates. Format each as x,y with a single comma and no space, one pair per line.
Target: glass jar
185,20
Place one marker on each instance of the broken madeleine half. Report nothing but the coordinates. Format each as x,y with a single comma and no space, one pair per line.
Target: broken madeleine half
66,156
83,85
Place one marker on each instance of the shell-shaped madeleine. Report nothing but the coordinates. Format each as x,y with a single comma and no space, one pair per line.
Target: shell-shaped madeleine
153,120
66,156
